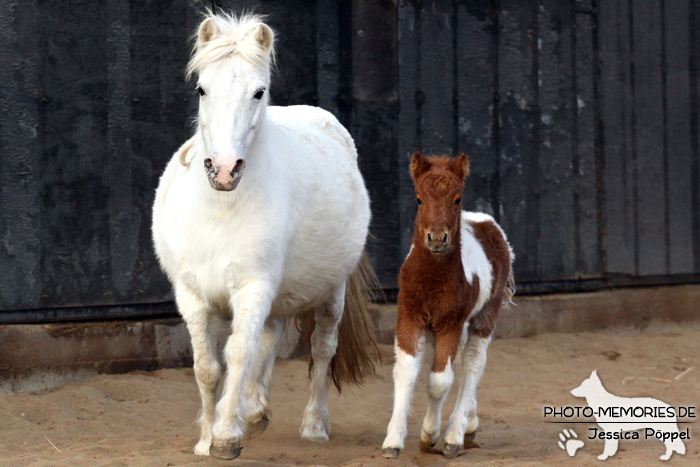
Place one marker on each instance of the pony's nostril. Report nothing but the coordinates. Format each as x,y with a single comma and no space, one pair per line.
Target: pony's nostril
240,165
430,238
208,163
444,238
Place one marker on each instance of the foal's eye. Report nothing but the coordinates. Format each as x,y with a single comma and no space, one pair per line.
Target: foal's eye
201,91
419,201
458,200
259,93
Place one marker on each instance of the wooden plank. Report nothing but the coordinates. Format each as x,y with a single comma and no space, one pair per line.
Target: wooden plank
586,193
75,234
648,109
437,73
557,155
327,56
519,134
678,146
694,71
616,105
408,115
160,105
374,108
124,216
477,122
20,161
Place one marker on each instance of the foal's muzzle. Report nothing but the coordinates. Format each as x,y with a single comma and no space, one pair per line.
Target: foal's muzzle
224,177
437,243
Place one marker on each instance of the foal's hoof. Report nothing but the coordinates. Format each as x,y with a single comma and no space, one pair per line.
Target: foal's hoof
450,450
225,450
256,427
391,453
428,446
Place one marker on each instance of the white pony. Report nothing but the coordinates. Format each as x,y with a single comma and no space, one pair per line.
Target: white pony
285,237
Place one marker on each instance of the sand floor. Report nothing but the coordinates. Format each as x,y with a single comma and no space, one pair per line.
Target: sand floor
146,419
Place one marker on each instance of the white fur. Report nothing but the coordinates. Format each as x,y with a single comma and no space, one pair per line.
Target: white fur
464,419
474,258
439,385
285,239
406,370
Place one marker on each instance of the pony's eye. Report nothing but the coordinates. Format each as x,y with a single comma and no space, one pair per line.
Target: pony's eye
419,201
259,93
458,200
201,91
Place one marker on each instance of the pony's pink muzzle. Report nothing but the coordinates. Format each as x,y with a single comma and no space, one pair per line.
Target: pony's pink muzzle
224,176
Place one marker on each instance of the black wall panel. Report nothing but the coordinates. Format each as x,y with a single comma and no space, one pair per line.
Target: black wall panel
580,119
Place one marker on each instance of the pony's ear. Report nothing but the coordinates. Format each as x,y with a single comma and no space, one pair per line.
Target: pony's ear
265,37
459,166
419,165
207,31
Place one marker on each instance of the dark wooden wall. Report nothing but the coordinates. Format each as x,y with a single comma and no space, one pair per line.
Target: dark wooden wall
580,118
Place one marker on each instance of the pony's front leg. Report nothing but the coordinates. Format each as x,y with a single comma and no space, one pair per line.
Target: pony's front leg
406,370
316,425
439,384
464,419
207,369
258,387
251,306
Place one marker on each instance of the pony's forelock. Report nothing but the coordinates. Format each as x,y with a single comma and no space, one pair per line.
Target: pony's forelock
233,32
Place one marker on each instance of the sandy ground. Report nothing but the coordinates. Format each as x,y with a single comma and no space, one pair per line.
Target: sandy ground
146,419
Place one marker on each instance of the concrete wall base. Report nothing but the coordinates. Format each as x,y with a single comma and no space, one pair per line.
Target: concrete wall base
38,357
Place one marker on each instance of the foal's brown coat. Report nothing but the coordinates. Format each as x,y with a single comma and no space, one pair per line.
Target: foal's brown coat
434,294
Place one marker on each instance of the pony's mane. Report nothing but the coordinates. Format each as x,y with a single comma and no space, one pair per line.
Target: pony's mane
439,177
232,30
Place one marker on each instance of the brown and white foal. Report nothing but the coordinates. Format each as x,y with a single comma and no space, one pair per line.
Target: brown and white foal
453,284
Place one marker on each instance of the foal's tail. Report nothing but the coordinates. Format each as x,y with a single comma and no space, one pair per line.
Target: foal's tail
352,360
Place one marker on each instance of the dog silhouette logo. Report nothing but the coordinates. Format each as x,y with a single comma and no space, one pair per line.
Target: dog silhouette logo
617,415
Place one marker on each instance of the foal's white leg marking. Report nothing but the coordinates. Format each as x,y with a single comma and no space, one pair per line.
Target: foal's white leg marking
207,369
316,424
257,389
406,370
463,419
251,305
439,385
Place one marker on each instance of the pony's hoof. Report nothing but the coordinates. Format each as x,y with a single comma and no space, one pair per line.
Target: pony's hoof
257,427
391,453
225,450
427,446
450,450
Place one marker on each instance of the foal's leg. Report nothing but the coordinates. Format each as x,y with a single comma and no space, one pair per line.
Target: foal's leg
251,305
439,384
464,420
406,370
316,425
207,369
258,389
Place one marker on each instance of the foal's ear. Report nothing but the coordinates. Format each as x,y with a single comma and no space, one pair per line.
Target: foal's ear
459,166
419,165
264,35
207,31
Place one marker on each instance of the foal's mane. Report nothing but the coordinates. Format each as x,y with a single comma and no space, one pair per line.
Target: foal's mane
232,32
438,174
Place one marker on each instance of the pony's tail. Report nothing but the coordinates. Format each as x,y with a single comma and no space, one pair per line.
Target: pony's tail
510,289
353,359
